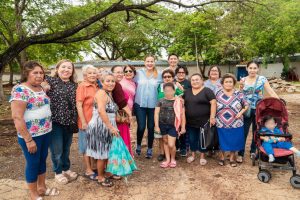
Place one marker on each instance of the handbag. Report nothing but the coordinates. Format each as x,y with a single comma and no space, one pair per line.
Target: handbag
122,117
209,139
247,113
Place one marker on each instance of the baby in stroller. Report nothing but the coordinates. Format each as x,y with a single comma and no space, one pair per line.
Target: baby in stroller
270,142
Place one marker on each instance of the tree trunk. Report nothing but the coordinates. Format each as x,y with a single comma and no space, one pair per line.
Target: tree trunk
2,96
11,74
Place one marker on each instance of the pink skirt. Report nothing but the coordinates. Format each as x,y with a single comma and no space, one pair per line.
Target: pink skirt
125,134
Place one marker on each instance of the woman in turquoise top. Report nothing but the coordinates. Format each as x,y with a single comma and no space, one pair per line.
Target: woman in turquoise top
147,80
247,85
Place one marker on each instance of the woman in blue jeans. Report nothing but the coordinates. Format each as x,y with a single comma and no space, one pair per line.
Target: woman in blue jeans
32,117
253,95
147,80
200,107
62,91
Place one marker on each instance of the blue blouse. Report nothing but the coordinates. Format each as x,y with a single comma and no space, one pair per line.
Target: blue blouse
146,91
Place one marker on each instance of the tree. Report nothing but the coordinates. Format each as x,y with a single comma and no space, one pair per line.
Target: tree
31,22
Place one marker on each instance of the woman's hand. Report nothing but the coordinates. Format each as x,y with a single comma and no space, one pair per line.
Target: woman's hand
239,115
84,125
212,121
114,131
31,146
182,131
157,129
45,86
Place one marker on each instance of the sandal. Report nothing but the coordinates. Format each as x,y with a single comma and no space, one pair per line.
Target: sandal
92,177
71,175
173,164
203,161
190,159
239,159
232,163
51,192
221,162
39,198
61,179
115,177
106,182
164,164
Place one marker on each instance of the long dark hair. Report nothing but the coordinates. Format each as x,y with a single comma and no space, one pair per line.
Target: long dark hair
28,67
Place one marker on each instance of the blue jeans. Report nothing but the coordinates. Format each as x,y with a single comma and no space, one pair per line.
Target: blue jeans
143,115
247,123
36,162
281,145
194,139
60,143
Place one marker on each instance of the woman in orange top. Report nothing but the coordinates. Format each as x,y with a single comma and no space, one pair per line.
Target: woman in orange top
85,95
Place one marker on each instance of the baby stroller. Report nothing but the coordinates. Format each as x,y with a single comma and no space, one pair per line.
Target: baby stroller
284,159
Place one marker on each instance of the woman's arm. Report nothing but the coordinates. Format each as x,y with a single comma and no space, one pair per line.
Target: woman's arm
240,114
80,114
156,119
102,99
18,109
128,112
213,110
270,91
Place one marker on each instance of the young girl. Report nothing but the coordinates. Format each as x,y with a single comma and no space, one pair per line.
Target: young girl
169,118
270,142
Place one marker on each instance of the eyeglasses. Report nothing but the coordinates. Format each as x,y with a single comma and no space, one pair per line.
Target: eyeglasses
180,72
128,71
167,77
119,73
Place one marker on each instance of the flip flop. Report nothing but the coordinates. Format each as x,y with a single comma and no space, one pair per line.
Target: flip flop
221,162
173,164
92,177
115,177
190,159
233,164
51,192
164,164
106,182
203,161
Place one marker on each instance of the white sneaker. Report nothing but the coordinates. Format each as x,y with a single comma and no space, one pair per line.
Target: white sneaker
271,158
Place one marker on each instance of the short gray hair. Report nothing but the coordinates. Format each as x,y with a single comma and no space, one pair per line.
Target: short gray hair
86,67
105,74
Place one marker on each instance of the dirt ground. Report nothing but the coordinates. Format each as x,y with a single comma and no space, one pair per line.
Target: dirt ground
187,181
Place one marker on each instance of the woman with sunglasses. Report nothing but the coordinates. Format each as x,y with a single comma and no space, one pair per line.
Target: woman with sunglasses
129,87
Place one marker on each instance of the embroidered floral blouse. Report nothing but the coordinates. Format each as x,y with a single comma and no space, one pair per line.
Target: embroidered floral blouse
37,115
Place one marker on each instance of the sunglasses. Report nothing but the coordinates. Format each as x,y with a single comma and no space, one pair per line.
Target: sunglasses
167,77
128,71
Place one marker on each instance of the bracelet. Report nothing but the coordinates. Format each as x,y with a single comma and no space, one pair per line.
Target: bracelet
29,141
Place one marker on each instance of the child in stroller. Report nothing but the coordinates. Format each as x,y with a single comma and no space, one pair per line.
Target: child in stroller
270,142
274,140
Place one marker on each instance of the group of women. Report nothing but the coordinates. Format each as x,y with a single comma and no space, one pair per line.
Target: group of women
47,110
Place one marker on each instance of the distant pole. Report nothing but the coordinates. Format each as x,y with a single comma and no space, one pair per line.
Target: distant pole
196,50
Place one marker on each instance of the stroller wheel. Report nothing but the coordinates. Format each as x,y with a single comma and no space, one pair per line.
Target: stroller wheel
295,181
264,176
